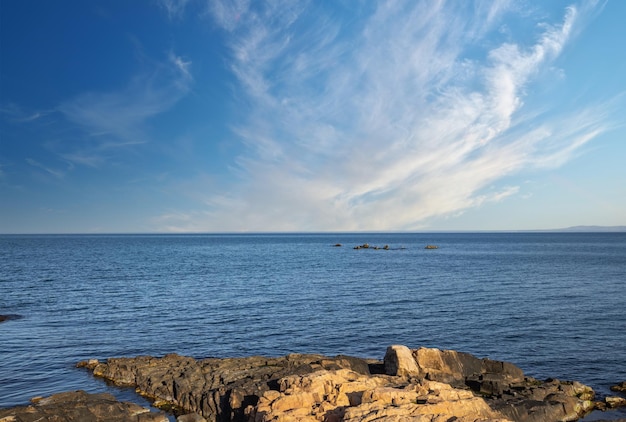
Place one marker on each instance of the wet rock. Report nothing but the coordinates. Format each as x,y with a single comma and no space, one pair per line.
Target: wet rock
9,317
621,387
80,406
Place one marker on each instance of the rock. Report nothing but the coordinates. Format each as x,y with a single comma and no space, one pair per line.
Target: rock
431,247
505,387
190,417
344,395
399,361
217,389
81,406
621,387
337,245
615,402
410,385
459,368
9,317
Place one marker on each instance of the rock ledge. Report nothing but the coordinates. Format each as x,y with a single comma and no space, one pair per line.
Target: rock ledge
409,385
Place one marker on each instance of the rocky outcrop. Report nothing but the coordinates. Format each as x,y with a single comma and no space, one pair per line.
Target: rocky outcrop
218,389
343,395
80,406
502,384
410,385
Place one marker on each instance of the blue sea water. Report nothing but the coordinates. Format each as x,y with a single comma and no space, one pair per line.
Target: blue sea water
552,303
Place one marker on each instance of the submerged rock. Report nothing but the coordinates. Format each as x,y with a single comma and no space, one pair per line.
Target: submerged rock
415,385
81,406
9,317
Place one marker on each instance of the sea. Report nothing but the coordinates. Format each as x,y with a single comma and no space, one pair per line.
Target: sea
554,304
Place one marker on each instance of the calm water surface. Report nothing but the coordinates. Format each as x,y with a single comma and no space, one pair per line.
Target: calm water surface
554,304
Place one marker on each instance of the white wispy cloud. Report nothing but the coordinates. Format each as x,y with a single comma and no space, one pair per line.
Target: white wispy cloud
409,115
117,119
174,8
15,113
59,174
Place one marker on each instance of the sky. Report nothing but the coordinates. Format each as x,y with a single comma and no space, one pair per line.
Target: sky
173,116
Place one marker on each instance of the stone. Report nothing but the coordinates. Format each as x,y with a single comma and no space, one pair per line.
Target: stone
458,368
399,361
615,402
190,417
621,387
216,389
504,386
81,406
409,385
9,317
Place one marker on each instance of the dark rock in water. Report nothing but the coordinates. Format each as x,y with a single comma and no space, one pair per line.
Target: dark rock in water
621,387
337,245
8,317
81,406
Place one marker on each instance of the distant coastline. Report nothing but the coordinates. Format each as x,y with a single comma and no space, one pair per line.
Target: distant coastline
591,229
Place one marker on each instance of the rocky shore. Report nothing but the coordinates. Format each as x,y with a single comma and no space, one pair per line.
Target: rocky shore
408,385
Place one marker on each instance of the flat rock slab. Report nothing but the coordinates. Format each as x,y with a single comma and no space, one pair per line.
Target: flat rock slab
218,389
80,406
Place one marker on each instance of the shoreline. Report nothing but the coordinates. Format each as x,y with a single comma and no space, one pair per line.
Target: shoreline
405,383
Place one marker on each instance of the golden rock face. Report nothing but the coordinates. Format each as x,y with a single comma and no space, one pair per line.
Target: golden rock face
412,385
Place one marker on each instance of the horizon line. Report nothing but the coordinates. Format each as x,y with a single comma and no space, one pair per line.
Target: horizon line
571,229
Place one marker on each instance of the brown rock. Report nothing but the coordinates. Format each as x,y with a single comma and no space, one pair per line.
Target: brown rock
399,361
81,406
621,387
416,385
614,402
190,417
217,389
9,317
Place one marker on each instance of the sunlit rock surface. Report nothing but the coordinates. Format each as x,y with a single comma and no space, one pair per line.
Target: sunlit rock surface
409,385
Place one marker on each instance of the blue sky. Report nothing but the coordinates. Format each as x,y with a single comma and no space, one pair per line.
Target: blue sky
220,116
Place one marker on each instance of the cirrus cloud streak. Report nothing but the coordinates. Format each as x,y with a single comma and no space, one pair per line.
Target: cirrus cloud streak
408,115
